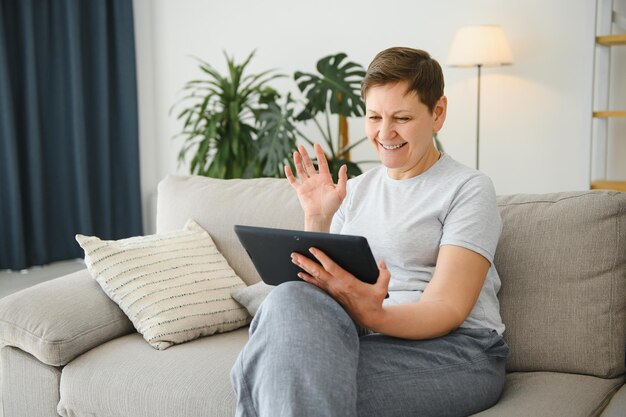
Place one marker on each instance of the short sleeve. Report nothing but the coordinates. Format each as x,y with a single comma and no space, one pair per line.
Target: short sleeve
472,220
339,218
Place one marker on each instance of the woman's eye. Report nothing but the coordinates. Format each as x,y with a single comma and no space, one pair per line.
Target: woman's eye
374,117
402,119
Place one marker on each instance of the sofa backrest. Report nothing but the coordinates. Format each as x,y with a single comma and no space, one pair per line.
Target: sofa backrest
217,205
561,258
562,261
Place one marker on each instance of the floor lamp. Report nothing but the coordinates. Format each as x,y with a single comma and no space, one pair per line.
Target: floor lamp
479,46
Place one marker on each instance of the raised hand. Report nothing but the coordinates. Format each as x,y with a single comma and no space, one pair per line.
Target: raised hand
319,196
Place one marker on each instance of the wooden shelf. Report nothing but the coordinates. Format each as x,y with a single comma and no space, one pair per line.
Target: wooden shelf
609,185
610,40
609,113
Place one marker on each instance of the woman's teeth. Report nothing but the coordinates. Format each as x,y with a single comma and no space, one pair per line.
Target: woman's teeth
392,147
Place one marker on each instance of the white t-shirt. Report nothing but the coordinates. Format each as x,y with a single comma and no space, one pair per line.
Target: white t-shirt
406,221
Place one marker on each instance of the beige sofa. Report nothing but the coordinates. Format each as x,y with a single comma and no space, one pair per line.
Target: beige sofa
70,351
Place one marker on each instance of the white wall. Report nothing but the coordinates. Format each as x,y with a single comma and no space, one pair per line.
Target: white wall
616,158
535,124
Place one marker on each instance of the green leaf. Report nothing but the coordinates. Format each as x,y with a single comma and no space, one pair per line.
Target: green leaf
236,124
276,139
337,88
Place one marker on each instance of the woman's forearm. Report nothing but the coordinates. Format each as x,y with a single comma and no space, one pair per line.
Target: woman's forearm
421,320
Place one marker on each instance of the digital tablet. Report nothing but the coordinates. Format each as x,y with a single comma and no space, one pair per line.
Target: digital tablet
270,251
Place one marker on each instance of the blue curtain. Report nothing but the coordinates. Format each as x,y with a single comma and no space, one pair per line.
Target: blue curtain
69,152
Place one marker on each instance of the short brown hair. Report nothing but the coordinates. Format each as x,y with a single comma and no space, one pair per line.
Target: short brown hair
415,66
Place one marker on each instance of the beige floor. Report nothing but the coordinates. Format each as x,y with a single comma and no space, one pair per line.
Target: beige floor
13,281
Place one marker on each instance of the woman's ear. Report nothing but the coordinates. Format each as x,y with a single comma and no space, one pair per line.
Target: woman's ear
439,113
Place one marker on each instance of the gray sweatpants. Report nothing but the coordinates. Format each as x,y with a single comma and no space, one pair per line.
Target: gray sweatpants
306,357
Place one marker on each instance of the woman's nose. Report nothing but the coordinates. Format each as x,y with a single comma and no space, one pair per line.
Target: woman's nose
387,130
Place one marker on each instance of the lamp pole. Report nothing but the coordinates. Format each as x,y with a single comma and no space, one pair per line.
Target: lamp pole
478,46
478,119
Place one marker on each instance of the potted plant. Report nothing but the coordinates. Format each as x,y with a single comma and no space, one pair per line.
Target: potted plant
235,126
335,90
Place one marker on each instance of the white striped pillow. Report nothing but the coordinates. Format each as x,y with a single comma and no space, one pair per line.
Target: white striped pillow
174,287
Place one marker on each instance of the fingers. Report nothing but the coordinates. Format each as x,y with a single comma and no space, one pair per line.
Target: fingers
308,278
336,281
306,160
342,180
297,161
314,273
322,163
328,264
311,267
305,167
304,164
384,276
289,175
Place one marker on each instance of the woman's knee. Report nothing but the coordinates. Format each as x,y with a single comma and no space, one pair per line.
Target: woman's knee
299,302
296,296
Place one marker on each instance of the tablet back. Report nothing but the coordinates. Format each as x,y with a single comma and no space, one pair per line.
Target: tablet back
270,251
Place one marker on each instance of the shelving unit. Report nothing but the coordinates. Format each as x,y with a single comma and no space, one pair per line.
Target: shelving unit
609,185
611,40
604,42
607,114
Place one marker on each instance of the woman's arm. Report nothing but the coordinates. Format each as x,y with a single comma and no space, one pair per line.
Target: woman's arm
445,304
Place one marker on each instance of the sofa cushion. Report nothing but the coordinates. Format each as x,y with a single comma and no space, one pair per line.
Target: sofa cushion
188,380
252,296
562,262
540,394
217,205
58,320
193,380
617,406
174,286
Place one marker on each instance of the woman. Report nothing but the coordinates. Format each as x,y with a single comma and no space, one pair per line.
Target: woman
333,345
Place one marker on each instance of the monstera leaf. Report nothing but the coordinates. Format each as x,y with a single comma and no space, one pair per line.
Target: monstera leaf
337,89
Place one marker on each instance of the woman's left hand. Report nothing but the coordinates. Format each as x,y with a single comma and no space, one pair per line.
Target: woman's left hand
364,302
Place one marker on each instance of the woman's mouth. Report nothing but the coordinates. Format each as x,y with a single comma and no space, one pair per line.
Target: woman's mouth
392,147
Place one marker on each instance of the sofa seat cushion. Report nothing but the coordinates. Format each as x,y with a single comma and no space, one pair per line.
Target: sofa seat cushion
126,377
617,406
540,394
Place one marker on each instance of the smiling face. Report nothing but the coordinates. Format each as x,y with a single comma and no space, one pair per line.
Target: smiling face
400,127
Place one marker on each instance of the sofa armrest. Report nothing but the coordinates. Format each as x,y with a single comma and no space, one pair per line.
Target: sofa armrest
60,319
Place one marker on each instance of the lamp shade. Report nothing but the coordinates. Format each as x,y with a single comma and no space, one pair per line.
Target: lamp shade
484,45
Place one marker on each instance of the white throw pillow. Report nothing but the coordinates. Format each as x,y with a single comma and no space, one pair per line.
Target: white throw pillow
253,296
174,287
